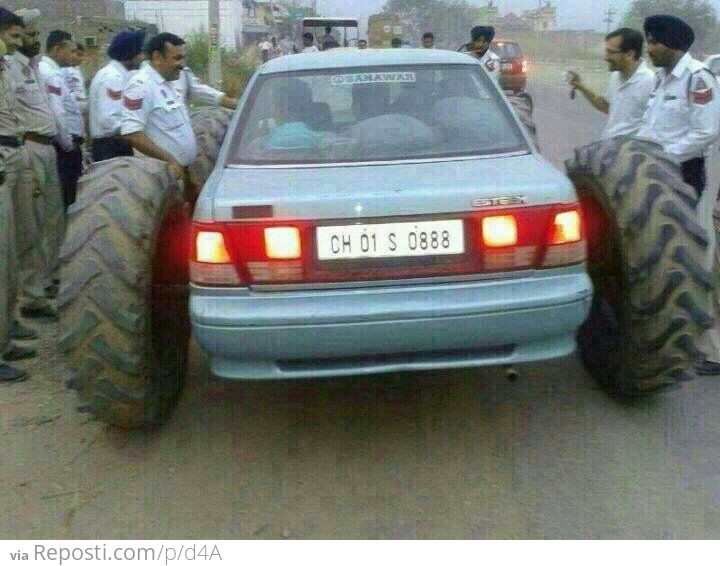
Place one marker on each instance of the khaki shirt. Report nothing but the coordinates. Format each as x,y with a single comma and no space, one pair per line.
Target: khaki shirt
9,119
32,102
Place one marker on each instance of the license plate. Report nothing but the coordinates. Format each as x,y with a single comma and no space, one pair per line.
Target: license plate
406,239
506,67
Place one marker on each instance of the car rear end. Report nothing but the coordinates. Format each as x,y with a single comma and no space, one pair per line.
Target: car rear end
513,65
367,256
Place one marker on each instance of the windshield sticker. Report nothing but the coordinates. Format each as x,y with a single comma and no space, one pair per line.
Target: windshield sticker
367,78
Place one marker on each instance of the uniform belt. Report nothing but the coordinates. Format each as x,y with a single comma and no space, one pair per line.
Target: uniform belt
38,138
11,141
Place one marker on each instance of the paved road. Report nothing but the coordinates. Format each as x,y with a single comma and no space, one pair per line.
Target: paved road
459,454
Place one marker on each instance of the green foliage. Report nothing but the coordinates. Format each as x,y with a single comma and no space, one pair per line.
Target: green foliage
700,14
237,68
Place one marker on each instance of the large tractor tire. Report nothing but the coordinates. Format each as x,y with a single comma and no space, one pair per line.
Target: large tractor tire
209,124
647,258
522,103
123,300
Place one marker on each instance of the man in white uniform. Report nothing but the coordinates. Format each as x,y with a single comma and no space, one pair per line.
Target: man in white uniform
309,43
106,95
155,119
482,37
69,140
631,83
683,116
76,80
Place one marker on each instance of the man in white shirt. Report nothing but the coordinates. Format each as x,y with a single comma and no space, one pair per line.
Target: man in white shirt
60,49
106,95
191,88
309,43
76,80
631,83
155,119
287,45
482,37
683,116
265,46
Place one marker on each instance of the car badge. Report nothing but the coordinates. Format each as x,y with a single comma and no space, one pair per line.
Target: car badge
499,201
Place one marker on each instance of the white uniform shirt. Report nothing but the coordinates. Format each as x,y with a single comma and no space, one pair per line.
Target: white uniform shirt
76,82
311,49
192,88
491,63
628,101
152,105
106,107
32,102
62,102
683,113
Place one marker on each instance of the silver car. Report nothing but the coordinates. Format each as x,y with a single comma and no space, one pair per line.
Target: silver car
382,210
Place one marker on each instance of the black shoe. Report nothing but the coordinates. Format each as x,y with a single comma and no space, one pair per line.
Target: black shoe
17,353
706,367
20,332
9,374
52,291
42,314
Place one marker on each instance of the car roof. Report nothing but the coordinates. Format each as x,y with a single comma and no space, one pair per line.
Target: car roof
343,58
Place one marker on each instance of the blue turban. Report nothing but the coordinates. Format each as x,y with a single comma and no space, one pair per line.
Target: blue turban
488,32
126,45
670,31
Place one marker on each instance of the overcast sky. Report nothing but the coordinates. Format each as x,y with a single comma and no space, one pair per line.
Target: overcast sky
572,14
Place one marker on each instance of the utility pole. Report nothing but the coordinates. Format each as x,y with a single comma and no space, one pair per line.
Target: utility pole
214,66
609,13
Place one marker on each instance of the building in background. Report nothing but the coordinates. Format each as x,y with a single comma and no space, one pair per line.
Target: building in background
542,18
487,15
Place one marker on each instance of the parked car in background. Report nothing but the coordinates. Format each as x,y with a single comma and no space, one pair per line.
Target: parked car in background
513,65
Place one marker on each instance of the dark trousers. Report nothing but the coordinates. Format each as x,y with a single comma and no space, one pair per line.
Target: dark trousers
69,165
107,148
693,173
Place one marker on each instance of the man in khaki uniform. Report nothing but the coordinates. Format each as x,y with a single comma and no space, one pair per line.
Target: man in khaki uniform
40,131
13,165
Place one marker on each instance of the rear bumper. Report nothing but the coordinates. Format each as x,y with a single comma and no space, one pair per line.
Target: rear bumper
513,82
322,333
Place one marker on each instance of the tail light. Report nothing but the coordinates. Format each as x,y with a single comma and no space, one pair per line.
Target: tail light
499,231
281,251
524,67
211,263
566,243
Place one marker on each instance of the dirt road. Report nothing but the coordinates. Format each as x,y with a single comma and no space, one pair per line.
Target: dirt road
459,454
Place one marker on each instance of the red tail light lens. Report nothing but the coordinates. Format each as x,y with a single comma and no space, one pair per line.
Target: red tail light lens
524,67
566,243
211,263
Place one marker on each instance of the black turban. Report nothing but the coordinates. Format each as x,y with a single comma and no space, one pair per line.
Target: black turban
126,45
488,32
670,31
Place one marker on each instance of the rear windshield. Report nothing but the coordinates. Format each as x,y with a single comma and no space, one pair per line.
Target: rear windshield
378,114
506,50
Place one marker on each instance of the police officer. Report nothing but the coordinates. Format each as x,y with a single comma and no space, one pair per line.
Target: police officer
106,94
192,88
76,80
40,131
482,37
155,120
12,166
70,138
683,115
